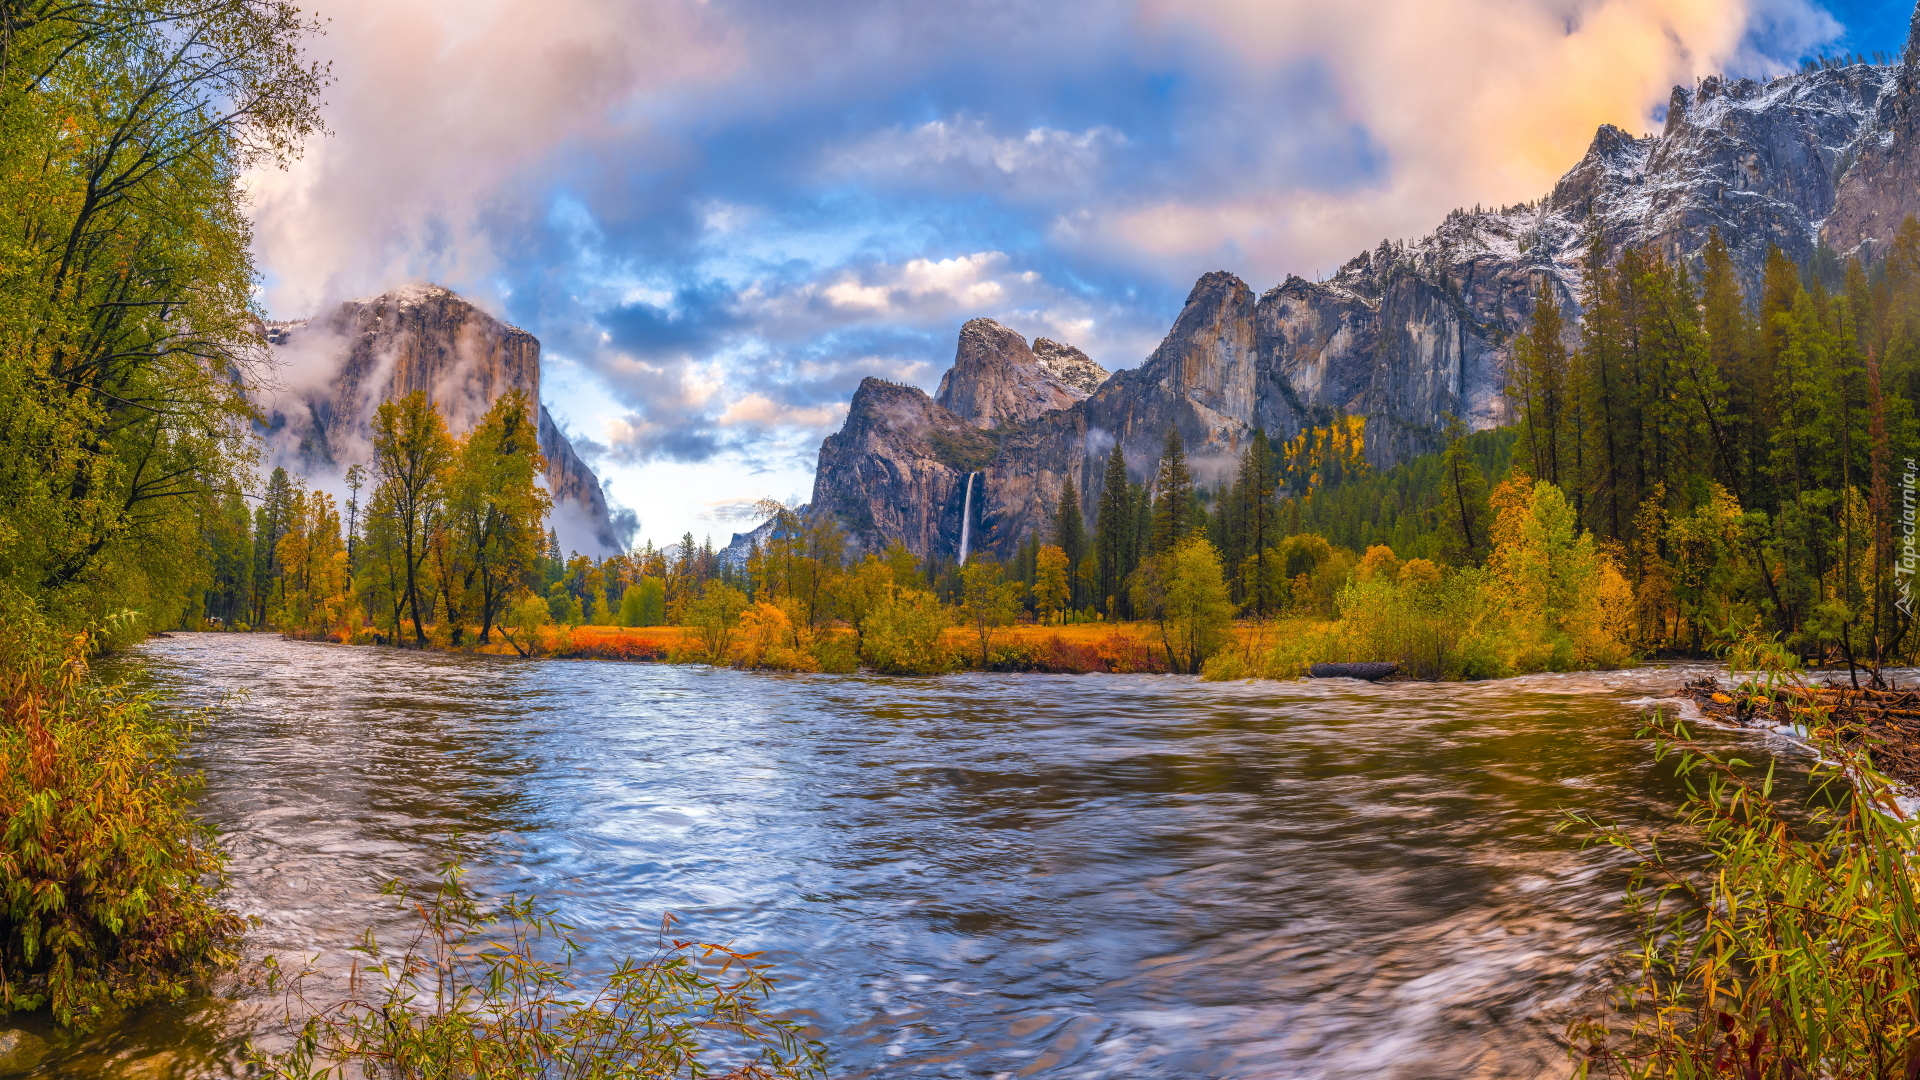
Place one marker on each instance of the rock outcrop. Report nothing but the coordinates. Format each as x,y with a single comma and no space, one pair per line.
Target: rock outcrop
1407,334
897,469
997,381
333,371
1069,365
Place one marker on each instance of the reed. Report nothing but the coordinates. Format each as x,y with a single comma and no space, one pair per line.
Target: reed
1795,952
496,994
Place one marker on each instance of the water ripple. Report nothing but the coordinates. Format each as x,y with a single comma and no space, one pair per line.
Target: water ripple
977,876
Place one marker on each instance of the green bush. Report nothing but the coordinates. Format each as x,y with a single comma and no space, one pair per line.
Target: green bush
106,878
498,994
837,654
715,620
1434,629
524,622
599,614
906,634
563,607
1185,593
1014,655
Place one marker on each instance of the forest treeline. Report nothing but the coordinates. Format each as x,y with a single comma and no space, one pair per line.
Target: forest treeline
1726,459
1694,460
1741,455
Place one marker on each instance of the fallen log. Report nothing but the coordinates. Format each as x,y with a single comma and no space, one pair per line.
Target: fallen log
1369,671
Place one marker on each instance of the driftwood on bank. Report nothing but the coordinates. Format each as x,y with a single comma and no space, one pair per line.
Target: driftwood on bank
1368,671
1885,718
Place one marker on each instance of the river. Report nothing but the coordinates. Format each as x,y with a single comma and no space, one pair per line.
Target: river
973,876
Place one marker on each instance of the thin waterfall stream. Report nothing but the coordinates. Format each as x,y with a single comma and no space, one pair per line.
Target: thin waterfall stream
1054,876
966,517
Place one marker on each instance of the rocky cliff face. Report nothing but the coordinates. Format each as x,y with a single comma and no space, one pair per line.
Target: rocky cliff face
1409,333
897,469
335,370
1880,186
1069,365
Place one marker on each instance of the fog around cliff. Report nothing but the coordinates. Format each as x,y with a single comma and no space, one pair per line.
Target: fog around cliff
718,217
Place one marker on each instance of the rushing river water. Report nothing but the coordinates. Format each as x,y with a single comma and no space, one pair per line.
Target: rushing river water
974,876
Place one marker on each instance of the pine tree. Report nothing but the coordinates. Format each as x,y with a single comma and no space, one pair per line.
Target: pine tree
269,525
356,479
1173,496
229,537
1248,523
1070,534
1113,533
1723,317
1140,540
1464,501
1541,385
1601,389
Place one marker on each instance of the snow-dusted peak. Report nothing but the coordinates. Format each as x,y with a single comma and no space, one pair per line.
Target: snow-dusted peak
1069,365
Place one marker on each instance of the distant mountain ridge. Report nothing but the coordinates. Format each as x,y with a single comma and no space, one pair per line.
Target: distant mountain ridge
1406,334
339,367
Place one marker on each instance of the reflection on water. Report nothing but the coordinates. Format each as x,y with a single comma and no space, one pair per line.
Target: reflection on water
975,876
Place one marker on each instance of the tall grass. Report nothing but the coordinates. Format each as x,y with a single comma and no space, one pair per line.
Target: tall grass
492,995
1795,953
106,881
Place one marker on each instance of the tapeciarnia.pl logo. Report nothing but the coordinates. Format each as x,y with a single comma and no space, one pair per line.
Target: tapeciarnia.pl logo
1909,561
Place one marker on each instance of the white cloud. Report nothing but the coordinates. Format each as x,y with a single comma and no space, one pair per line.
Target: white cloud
717,295
966,153
958,284
757,410
444,113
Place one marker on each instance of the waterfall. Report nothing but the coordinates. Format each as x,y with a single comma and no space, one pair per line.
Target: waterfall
966,517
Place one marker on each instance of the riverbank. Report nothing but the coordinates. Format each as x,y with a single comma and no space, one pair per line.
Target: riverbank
1117,648
1273,649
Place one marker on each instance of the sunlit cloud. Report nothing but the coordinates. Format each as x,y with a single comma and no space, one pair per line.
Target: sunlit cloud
1471,102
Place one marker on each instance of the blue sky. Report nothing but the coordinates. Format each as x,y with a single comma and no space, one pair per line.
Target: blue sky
718,217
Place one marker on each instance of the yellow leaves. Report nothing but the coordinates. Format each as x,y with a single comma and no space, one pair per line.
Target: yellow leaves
1419,572
1323,455
1379,561
1559,591
1051,590
1722,699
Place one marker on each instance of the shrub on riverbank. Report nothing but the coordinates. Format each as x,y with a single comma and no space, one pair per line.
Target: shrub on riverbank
106,894
1792,954
1548,600
905,634
1184,593
500,994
